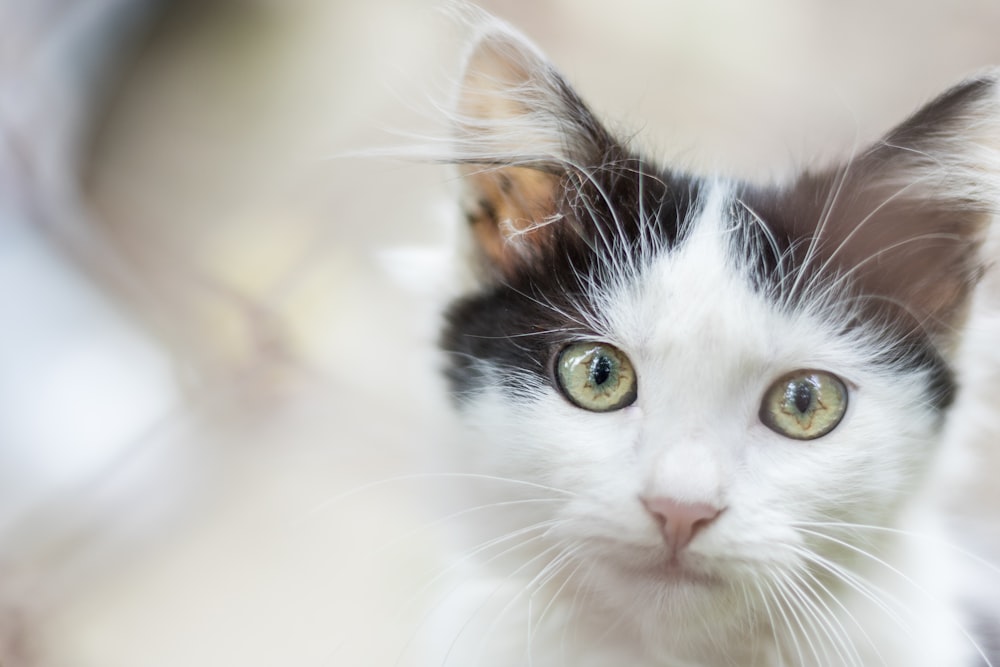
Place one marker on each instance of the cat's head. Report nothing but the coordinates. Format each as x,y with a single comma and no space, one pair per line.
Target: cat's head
706,372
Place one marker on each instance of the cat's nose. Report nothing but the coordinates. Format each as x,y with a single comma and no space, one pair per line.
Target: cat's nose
680,522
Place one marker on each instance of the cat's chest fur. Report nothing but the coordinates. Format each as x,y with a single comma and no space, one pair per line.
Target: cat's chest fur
701,419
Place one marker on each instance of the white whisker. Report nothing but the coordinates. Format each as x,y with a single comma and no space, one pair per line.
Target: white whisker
866,589
909,580
772,621
827,594
465,558
461,513
937,541
551,603
430,476
563,555
782,584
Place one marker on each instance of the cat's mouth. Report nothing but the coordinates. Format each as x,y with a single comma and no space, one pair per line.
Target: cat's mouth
659,565
674,569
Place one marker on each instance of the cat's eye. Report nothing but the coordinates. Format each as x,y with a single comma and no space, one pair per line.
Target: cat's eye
804,404
596,376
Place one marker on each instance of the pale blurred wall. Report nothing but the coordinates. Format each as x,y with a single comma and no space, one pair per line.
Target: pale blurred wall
275,363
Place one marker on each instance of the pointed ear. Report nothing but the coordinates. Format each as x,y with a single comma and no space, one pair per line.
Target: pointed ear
521,134
907,219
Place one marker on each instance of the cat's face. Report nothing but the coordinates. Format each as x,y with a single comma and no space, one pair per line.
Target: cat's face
706,350
703,375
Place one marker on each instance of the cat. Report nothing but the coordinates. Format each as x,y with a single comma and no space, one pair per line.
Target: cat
702,420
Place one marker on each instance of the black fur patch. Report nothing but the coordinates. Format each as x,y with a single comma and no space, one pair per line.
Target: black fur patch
517,324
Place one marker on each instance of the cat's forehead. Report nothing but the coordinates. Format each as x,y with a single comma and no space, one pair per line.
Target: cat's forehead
687,285
696,302
698,279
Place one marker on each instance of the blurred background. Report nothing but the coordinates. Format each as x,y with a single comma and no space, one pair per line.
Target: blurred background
205,359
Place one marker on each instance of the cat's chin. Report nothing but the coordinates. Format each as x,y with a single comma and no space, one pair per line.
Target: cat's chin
668,601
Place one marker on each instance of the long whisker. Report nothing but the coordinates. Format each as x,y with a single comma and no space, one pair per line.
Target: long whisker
827,594
331,502
750,610
479,609
548,305
553,569
920,589
828,622
552,601
479,549
778,646
797,645
454,515
937,541
573,608
467,556
782,585
802,596
555,562
866,589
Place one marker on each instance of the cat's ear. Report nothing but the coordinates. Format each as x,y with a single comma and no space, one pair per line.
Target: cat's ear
907,219
520,135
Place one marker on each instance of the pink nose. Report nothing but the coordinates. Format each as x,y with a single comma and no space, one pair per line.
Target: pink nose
680,522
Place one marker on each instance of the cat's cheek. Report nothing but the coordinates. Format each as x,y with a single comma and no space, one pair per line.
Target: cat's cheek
588,447
873,452
633,416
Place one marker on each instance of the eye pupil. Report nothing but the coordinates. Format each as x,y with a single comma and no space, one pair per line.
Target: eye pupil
802,396
600,372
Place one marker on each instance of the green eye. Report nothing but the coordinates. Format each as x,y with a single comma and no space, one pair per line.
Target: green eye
804,404
596,376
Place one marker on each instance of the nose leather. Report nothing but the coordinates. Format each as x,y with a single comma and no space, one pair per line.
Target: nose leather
679,522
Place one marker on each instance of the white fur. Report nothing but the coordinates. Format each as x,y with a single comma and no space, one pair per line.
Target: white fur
829,552
706,347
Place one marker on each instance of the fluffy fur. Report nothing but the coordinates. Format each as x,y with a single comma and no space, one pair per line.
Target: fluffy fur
826,552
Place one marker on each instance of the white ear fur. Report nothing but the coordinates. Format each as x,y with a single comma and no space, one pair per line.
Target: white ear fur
514,108
511,105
